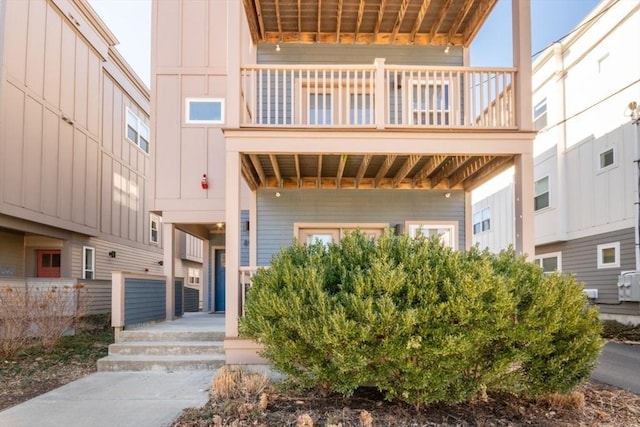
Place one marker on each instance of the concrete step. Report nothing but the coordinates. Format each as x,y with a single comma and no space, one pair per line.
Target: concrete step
160,363
135,336
166,348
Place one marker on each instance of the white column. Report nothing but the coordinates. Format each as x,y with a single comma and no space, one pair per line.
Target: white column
253,230
206,278
234,50
168,243
524,220
521,24
379,100
232,243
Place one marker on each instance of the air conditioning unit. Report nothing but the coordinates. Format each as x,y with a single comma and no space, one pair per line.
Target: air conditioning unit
591,293
629,286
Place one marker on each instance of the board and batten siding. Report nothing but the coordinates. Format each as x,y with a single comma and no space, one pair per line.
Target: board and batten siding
501,231
579,257
276,216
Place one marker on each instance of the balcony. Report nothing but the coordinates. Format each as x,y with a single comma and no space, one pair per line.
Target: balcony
378,96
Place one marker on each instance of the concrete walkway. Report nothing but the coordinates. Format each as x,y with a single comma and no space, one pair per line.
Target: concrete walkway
122,399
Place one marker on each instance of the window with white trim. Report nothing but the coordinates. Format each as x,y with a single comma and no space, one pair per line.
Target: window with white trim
204,110
540,115
482,221
326,233
607,158
88,262
154,229
320,108
550,262
360,109
194,276
447,231
608,255
137,131
541,194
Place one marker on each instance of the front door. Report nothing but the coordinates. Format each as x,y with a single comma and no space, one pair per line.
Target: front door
48,263
221,261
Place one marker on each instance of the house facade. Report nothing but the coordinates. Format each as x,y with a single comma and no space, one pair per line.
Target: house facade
586,158
75,152
307,120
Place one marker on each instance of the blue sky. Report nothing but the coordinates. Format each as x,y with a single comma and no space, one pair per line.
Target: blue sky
130,21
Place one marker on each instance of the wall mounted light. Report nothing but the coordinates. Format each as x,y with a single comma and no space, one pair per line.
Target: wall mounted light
277,47
112,254
160,262
447,195
277,194
446,50
633,111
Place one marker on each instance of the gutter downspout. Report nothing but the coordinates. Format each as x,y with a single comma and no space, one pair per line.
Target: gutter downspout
635,120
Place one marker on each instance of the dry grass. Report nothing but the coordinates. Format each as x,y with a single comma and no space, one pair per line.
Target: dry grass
232,383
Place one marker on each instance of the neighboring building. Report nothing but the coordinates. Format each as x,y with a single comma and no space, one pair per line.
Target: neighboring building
280,120
75,151
586,166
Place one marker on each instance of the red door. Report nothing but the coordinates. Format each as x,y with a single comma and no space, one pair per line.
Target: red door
49,263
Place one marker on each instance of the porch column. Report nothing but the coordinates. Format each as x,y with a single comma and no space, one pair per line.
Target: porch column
378,97
524,219
232,243
206,278
169,244
521,24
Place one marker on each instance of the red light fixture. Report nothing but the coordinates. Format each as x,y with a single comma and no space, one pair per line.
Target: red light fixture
204,183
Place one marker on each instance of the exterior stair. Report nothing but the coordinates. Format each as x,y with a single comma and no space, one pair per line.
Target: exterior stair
161,350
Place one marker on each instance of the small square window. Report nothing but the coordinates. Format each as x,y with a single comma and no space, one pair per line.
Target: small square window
137,131
606,158
482,221
204,110
541,195
609,255
154,229
550,262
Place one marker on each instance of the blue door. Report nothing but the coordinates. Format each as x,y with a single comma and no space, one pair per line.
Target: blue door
221,262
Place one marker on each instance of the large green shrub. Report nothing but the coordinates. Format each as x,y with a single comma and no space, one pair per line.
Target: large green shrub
419,321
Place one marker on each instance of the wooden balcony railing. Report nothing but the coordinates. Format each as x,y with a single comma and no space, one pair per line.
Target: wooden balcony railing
377,96
246,274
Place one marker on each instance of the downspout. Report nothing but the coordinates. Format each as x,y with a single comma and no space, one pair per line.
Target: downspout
635,120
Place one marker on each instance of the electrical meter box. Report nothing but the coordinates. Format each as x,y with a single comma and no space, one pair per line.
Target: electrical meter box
629,286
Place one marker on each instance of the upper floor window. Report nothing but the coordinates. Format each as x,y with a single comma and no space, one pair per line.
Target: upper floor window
360,109
550,262
608,255
445,230
88,262
320,109
541,194
429,103
540,115
154,228
606,158
204,110
194,276
137,131
482,221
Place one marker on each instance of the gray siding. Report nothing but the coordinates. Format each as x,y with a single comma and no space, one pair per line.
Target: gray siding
11,258
178,297
145,301
244,239
191,300
357,54
98,293
579,257
277,215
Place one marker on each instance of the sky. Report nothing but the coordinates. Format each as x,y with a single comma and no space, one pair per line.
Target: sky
130,22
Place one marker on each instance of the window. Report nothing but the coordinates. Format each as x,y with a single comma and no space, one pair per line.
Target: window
445,230
154,228
360,109
550,262
137,131
320,108
429,103
540,115
482,221
606,158
609,255
326,233
194,276
204,110
541,196
88,262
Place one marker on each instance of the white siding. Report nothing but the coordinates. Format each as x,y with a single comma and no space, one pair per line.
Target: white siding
502,231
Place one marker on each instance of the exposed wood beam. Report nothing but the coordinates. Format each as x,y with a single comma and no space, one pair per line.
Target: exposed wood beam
406,168
319,19
442,13
496,166
338,20
460,17
278,18
362,169
296,160
452,165
399,19
276,168
299,17
482,10
263,30
343,162
364,38
319,179
381,10
360,16
388,161
258,167
432,164
248,175
419,18
470,168
252,19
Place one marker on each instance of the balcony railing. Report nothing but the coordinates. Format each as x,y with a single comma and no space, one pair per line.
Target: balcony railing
246,274
378,96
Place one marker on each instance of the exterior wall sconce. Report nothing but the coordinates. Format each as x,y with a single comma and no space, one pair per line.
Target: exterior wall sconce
633,111
112,254
160,262
204,182
447,195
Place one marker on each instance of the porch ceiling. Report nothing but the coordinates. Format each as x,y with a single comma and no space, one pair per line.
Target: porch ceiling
365,171
420,22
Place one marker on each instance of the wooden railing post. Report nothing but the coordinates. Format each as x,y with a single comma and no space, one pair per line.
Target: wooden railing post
379,96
